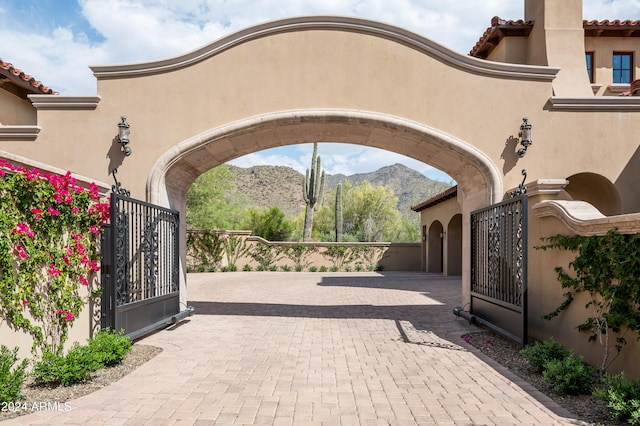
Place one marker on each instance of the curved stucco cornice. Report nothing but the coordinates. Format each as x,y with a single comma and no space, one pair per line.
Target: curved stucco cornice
60,102
583,218
335,23
156,181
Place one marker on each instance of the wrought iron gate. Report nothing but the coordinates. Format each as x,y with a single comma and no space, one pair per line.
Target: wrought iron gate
140,267
499,267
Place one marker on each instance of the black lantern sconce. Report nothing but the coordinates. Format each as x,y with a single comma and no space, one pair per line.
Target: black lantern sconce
123,135
525,137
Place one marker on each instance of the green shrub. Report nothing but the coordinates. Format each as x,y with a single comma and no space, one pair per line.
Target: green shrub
359,267
323,268
540,353
109,348
66,370
299,268
11,378
286,268
313,269
570,375
247,268
622,397
273,268
334,269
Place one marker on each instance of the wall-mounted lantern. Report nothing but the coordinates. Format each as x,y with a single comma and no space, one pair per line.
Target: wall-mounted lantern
525,137
123,135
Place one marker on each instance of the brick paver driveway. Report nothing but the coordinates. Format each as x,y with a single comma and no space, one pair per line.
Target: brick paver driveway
278,348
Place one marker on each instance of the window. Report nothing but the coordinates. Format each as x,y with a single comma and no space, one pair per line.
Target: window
622,67
590,62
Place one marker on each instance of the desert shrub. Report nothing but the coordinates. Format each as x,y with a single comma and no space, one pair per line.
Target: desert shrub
76,366
109,348
11,377
570,375
539,353
622,397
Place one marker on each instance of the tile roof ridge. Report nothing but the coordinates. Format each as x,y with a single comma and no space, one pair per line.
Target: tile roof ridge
18,74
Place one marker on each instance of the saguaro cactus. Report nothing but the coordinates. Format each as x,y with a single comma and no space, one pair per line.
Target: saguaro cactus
312,191
339,225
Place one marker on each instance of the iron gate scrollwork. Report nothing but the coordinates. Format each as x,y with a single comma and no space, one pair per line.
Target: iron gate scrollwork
140,266
499,267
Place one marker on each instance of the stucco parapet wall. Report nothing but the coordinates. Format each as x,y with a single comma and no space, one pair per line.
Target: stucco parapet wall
596,103
335,23
41,102
584,219
22,133
17,160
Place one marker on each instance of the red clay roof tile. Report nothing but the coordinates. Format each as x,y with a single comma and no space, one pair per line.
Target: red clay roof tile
500,28
24,80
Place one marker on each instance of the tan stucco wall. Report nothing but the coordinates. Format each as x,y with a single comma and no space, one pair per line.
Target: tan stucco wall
15,111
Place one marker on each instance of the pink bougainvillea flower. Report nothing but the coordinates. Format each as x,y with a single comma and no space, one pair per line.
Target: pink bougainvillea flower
53,212
53,270
68,316
75,210
94,229
83,280
23,229
93,266
25,302
19,251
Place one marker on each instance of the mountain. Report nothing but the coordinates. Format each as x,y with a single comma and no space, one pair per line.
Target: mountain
268,186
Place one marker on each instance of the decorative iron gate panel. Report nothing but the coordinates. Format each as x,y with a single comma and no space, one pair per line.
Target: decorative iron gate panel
140,291
499,267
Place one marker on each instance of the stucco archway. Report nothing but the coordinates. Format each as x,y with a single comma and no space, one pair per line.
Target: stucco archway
478,177
177,168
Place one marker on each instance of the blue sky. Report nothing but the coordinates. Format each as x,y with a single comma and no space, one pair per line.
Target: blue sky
57,40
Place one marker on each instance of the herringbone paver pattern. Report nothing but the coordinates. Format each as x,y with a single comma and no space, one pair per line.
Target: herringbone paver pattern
312,349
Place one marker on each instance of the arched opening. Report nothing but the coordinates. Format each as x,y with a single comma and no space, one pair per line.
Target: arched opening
454,246
479,179
596,190
435,252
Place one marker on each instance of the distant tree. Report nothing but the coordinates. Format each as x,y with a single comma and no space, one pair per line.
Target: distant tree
269,224
208,206
370,213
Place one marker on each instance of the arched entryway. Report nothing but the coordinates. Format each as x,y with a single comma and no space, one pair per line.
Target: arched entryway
454,246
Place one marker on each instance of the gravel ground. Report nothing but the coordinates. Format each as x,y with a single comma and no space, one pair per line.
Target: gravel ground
586,408
138,355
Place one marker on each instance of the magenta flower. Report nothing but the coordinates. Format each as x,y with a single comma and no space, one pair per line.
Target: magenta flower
23,229
19,251
53,270
25,302
83,280
53,212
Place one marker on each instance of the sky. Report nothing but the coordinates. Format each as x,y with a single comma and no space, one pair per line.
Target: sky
56,41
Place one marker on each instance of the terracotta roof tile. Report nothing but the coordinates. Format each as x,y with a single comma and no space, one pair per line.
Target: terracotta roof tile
498,29
24,80
437,199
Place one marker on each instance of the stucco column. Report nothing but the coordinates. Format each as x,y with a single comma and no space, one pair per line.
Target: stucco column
557,40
